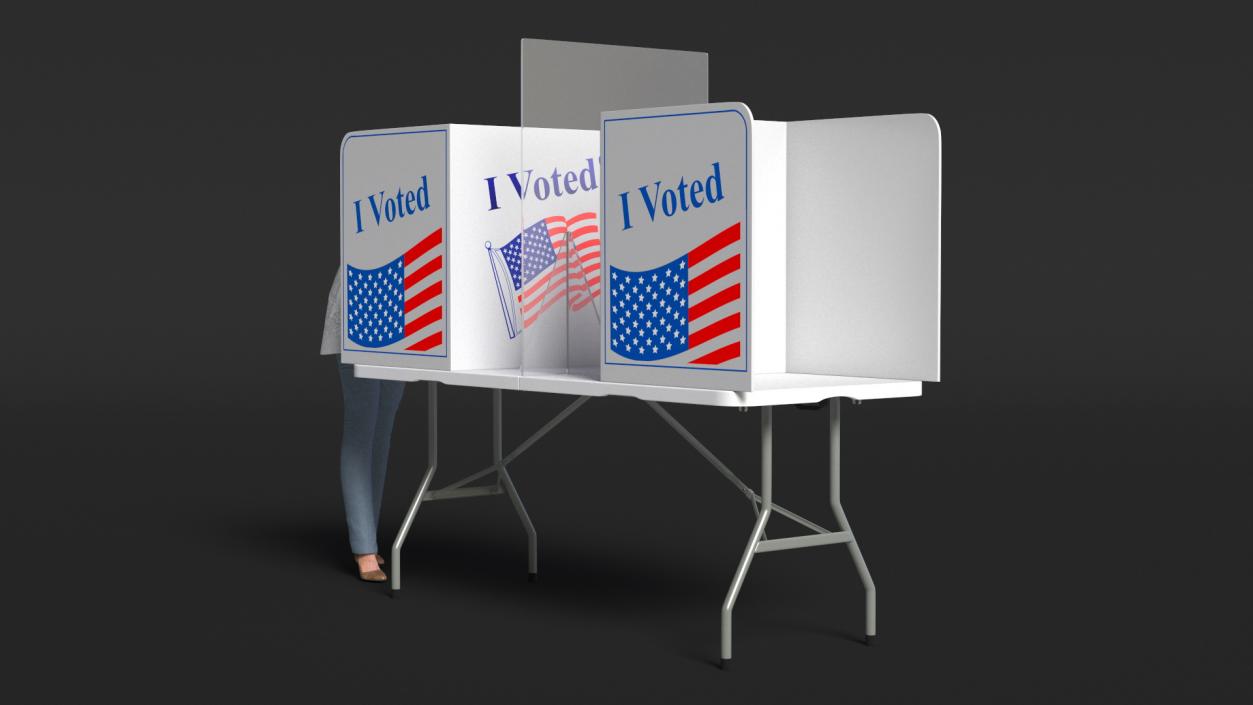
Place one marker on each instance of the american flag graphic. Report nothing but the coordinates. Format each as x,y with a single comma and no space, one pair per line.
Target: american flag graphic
583,256
547,260
400,302
687,309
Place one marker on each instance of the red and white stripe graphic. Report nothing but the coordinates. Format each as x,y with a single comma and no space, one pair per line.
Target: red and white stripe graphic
424,294
580,275
582,256
715,300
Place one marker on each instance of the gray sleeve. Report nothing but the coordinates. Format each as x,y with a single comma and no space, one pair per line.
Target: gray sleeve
334,317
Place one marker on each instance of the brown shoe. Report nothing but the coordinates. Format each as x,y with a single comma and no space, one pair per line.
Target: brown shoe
373,576
379,557
370,576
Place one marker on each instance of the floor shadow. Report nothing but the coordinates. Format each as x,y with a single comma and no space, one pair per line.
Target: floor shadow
314,542
486,560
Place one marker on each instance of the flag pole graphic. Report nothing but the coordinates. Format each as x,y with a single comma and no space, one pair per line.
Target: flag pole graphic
506,301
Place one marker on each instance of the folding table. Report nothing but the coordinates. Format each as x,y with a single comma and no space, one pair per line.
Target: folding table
775,390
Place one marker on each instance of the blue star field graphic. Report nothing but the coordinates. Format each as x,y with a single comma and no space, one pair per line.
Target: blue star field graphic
539,254
648,311
376,316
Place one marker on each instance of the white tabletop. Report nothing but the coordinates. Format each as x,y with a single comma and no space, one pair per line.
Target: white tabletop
769,389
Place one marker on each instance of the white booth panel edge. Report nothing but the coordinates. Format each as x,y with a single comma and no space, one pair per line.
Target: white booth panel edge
769,389
863,224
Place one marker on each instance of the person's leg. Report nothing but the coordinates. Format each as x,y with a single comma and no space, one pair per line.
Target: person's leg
361,402
389,401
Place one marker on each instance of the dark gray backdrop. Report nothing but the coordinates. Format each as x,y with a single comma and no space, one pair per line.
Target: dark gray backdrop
1064,517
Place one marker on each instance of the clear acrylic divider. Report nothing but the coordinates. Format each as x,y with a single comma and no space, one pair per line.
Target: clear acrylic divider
556,264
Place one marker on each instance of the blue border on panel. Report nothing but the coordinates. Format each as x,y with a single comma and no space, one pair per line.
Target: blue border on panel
604,245
343,302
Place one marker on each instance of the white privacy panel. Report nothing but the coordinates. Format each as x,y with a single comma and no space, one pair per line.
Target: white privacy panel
863,253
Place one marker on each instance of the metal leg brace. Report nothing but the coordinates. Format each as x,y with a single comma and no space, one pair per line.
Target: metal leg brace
460,489
757,541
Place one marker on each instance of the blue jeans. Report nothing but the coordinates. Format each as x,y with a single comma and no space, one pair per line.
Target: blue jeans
369,410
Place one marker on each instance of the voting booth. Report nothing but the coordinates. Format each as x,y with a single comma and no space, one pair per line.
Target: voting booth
631,239
731,248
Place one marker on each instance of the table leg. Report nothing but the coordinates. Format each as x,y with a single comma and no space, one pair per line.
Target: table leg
757,542
432,455
502,477
860,562
759,528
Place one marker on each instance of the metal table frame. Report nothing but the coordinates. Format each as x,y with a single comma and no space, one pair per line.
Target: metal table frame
763,504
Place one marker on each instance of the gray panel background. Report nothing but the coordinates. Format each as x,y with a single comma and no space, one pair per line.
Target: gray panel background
569,84
864,247
383,160
640,152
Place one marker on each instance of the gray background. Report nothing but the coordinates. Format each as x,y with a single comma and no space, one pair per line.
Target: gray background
1064,518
